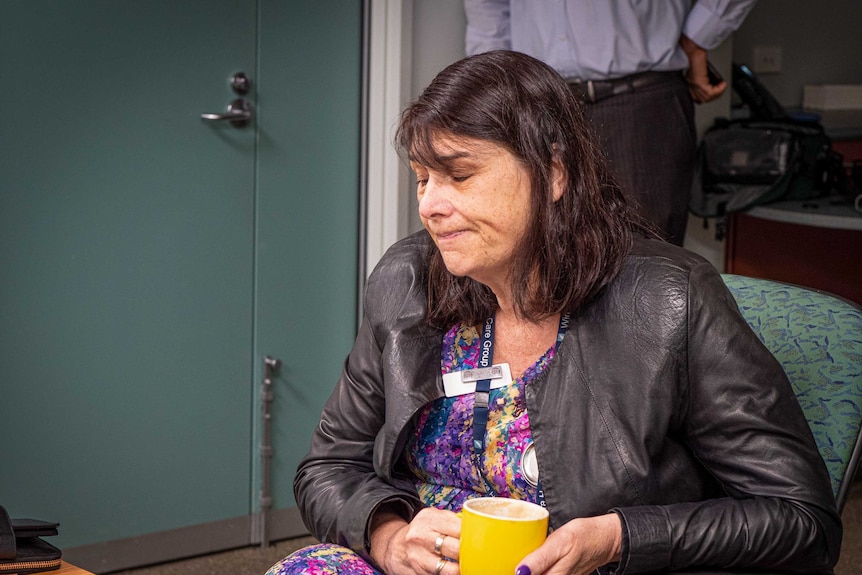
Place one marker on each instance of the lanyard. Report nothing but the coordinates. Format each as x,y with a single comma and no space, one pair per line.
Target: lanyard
483,387
483,392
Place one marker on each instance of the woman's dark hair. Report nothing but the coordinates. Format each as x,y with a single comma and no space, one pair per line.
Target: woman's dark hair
573,247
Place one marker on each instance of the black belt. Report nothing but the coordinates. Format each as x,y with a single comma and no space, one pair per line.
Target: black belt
593,91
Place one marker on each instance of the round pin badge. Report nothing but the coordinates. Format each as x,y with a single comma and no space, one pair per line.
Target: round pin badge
530,465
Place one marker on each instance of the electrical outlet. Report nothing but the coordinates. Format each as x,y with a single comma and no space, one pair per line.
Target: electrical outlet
767,60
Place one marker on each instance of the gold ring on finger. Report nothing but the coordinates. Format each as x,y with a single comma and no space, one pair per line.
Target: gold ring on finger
440,565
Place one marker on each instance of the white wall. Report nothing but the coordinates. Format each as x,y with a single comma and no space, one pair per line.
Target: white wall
821,43
438,38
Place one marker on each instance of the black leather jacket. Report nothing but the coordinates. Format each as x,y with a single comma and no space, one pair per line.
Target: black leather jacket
661,404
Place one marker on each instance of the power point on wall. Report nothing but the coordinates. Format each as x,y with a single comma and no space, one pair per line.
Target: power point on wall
766,60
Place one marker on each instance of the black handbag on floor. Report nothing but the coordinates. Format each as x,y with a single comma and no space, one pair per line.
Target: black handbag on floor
22,549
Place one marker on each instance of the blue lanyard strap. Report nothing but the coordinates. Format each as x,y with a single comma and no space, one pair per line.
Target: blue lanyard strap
483,393
483,387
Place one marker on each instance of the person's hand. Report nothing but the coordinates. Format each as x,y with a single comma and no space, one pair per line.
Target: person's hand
579,546
697,76
402,548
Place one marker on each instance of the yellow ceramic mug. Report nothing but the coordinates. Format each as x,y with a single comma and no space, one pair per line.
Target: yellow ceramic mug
497,533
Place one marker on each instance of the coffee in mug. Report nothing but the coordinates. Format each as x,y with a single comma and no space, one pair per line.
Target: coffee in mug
497,533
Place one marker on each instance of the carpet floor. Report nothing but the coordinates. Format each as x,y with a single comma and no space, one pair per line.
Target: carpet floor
256,560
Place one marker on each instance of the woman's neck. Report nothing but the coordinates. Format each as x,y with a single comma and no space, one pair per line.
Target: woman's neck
520,342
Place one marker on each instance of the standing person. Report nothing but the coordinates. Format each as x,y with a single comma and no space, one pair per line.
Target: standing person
634,400
626,58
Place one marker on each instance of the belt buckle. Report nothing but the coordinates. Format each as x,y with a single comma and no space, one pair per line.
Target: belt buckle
591,91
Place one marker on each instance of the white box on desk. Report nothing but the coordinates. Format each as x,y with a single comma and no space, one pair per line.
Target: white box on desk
832,96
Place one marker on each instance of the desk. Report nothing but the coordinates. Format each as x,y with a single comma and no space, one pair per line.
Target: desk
814,243
68,569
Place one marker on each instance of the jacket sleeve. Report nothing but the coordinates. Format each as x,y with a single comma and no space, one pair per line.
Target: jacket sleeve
338,488
743,422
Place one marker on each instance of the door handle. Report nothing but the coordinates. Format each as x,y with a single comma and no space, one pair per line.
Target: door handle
239,114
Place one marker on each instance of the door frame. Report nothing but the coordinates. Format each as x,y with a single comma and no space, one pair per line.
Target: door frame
389,44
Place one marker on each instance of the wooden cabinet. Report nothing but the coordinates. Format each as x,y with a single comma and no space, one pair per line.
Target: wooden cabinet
811,243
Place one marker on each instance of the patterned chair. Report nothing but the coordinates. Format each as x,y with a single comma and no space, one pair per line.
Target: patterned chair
817,338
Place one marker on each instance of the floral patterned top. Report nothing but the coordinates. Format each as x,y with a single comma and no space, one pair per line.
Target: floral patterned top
439,453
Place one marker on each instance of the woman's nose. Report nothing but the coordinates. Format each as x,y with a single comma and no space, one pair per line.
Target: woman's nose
434,199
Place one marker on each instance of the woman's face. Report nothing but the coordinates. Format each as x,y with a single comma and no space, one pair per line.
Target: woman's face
476,208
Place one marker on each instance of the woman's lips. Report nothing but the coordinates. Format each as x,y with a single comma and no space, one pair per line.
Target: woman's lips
443,236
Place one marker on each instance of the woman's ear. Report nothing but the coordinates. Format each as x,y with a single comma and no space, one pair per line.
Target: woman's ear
558,177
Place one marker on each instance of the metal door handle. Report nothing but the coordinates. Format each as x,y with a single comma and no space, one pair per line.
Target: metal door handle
239,114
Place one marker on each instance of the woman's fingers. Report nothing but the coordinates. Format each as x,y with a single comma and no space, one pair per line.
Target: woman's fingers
438,531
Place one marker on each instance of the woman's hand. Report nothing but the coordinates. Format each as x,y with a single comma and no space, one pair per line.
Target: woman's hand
402,548
579,546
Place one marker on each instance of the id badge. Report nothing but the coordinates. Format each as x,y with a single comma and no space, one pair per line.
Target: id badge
463,382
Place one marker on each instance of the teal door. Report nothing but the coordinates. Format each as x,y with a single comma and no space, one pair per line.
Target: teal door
149,258
307,213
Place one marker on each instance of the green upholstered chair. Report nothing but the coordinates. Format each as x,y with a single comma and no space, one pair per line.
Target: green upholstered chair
817,338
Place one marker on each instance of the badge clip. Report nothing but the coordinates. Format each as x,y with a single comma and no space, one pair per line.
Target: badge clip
461,382
480,373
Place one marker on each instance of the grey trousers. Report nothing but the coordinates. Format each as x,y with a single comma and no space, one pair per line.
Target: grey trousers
650,140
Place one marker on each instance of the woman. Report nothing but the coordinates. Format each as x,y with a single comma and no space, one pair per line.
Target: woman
644,413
